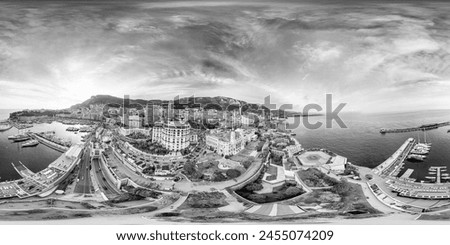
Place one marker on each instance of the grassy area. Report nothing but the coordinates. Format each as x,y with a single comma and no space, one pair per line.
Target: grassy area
204,200
272,172
443,216
283,192
206,168
315,178
344,197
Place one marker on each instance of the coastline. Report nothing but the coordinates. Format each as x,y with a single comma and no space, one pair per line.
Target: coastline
141,219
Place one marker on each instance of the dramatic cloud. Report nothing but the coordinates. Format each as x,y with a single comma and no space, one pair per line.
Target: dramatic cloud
374,56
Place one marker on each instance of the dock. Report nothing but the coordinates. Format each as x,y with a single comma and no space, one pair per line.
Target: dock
438,171
407,173
394,163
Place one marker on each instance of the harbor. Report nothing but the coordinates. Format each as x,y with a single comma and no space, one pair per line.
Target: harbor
44,182
432,188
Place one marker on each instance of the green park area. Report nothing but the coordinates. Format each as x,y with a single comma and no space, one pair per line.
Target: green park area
313,177
285,191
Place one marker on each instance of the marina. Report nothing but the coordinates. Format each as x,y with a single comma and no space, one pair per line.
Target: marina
43,182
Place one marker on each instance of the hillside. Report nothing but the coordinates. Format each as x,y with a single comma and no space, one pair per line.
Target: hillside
218,102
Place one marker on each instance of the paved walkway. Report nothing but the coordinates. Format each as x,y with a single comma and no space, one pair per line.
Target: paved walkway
274,209
173,206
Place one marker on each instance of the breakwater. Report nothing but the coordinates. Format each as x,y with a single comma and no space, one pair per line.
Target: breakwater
424,127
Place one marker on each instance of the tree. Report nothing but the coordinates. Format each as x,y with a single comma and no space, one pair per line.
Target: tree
247,163
149,170
189,168
218,176
233,173
342,188
260,145
293,191
254,187
257,198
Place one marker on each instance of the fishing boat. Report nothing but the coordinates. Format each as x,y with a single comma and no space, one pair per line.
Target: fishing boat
30,143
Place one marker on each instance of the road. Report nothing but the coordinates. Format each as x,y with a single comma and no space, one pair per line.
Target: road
84,184
104,186
208,186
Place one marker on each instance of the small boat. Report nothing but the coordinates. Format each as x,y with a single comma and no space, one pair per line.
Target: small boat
30,143
18,137
448,131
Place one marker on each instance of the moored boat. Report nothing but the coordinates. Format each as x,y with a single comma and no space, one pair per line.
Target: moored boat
415,157
420,151
30,143
18,137
21,138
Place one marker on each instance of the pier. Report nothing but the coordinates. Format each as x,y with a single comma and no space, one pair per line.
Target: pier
407,173
49,143
438,171
424,127
393,163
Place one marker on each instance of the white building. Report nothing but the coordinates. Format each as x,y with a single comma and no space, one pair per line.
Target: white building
135,121
173,135
228,143
293,149
247,120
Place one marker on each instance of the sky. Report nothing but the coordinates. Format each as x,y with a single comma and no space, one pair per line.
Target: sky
374,56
